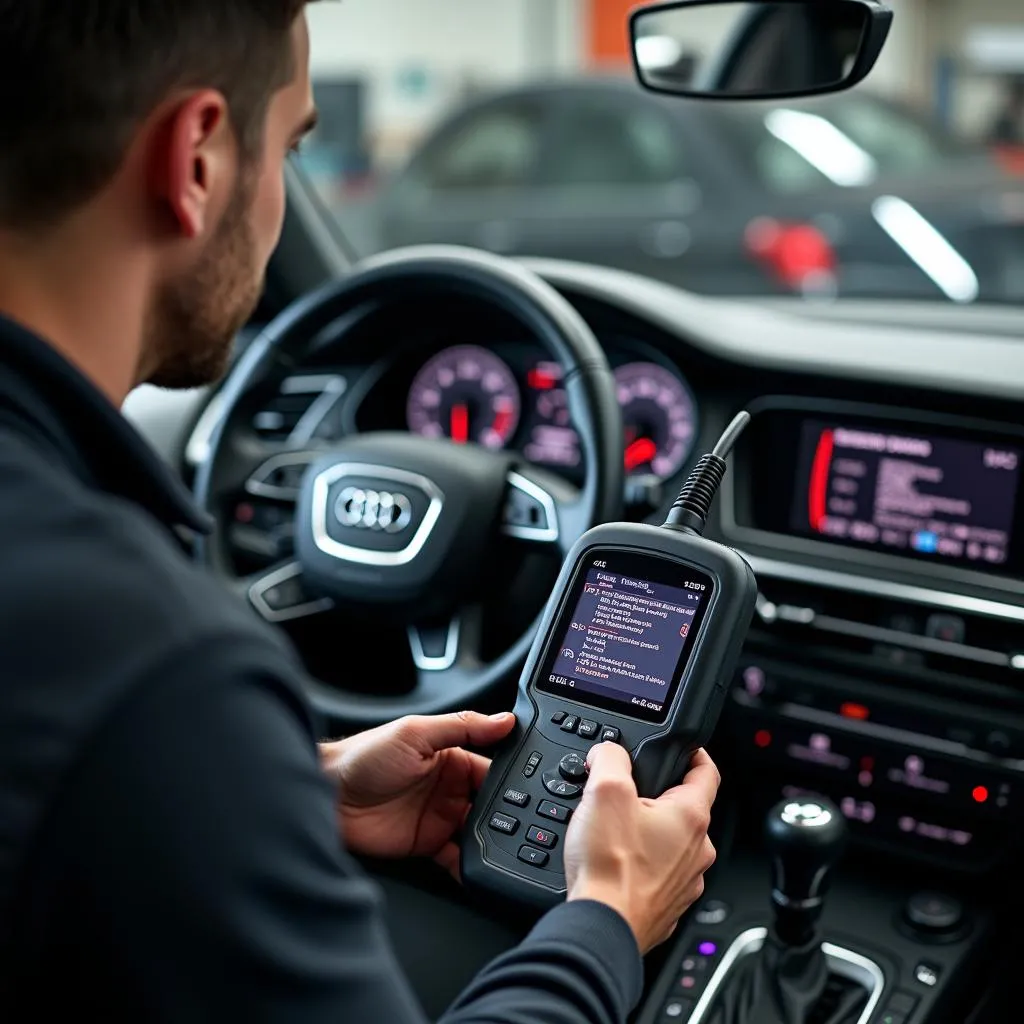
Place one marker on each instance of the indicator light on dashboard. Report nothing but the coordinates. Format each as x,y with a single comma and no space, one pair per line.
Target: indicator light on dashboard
980,794
541,379
856,711
762,738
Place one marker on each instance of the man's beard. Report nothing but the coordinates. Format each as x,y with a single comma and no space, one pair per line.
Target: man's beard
192,325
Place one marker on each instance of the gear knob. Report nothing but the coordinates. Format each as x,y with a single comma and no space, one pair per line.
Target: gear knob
805,839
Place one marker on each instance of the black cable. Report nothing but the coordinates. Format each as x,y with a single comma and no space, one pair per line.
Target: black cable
691,508
728,440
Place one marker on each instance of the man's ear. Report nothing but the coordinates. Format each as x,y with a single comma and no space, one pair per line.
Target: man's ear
197,162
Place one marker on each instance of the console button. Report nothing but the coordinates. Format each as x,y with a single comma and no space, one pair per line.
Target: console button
558,717
570,723
587,729
559,787
609,734
676,1010
541,836
573,767
950,628
504,823
998,742
531,855
934,912
902,1002
531,764
712,912
927,975
891,1016
516,797
556,812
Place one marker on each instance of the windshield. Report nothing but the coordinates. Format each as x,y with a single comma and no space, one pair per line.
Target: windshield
516,126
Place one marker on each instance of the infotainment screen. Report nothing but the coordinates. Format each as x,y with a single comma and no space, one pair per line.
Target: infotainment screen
903,491
626,633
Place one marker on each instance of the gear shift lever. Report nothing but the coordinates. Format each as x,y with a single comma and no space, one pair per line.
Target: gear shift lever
805,839
786,980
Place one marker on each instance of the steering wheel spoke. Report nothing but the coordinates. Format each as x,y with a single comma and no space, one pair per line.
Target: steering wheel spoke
543,508
279,594
280,476
445,652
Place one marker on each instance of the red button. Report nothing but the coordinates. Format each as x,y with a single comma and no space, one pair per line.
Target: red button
541,837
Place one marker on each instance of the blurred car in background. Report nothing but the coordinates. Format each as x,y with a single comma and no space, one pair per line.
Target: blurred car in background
850,195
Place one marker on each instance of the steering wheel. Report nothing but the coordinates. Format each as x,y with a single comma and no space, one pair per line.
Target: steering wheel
399,526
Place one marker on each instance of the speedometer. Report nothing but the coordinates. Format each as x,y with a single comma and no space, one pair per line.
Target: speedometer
465,393
660,419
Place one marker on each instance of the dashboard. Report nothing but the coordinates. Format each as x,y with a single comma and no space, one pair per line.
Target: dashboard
507,395
877,493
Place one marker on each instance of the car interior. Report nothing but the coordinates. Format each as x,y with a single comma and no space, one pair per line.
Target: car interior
872,741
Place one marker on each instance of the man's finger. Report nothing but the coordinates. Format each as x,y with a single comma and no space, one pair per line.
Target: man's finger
448,857
479,766
701,780
608,761
462,729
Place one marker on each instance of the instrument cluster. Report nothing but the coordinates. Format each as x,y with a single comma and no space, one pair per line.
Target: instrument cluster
506,397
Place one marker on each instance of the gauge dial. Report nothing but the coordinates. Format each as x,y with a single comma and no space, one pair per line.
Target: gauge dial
660,419
468,394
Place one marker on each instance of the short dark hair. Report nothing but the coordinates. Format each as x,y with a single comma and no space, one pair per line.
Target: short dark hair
79,76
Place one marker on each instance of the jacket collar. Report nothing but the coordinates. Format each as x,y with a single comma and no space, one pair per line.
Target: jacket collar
52,398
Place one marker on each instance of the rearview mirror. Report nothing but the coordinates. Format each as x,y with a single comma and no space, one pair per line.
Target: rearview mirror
739,49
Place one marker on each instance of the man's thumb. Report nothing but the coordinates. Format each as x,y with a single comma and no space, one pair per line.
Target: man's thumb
467,729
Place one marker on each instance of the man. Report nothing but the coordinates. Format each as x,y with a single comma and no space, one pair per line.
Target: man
169,843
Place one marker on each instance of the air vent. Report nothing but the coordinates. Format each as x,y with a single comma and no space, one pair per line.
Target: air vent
301,409
891,626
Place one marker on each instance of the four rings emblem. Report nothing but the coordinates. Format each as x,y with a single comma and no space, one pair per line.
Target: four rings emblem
360,508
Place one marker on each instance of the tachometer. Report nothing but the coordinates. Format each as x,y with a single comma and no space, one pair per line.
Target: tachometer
466,393
660,418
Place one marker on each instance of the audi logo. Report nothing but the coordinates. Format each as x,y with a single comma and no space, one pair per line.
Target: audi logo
362,509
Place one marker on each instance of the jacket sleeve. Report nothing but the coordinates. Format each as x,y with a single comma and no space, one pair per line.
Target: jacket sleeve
199,842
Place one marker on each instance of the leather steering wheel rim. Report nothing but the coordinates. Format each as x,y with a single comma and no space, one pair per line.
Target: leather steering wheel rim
428,272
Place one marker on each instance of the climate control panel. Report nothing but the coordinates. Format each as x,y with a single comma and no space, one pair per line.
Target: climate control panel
925,776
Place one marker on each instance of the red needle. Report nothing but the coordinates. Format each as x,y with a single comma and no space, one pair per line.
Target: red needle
641,451
502,420
460,424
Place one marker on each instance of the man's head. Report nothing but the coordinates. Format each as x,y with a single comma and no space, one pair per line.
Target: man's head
167,123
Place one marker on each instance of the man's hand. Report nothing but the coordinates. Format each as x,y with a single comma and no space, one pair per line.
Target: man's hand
404,790
644,858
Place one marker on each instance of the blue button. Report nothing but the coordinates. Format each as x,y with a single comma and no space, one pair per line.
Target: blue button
926,541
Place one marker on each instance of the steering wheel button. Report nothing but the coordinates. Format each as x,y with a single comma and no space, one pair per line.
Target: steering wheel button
504,823
541,836
587,729
556,812
573,767
570,723
531,855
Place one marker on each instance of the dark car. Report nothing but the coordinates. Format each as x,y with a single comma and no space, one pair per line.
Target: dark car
847,194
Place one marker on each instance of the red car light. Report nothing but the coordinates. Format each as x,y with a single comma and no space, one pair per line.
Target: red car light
795,253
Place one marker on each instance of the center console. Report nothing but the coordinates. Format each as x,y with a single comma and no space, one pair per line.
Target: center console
884,676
